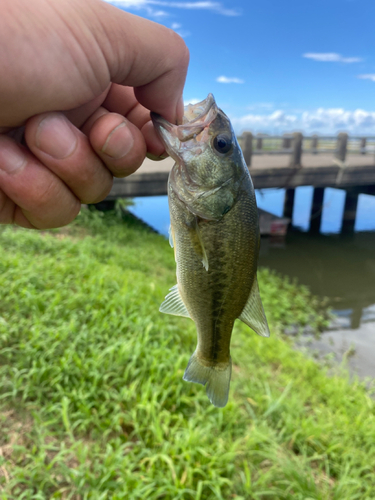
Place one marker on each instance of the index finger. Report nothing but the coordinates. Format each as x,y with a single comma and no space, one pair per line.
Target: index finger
149,57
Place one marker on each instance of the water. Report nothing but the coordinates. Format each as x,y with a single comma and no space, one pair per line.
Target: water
154,209
339,267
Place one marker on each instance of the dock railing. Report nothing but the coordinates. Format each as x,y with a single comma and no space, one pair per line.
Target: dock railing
295,145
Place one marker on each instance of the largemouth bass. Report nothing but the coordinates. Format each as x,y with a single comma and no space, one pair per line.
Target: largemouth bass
215,235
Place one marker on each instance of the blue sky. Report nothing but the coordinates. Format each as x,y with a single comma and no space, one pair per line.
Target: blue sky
278,66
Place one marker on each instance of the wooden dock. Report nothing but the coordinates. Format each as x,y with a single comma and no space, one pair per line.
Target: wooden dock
267,171
286,161
340,162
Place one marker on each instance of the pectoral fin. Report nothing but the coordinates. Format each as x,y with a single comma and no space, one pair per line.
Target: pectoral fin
253,313
174,304
199,246
170,231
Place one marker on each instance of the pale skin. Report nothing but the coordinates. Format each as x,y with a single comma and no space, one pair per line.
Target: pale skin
81,77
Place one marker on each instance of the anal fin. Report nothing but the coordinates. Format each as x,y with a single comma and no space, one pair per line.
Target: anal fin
253,312
173,304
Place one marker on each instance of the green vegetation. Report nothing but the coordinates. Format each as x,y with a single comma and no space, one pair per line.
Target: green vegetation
92,402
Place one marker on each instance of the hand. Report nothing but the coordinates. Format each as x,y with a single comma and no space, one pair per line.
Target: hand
78,80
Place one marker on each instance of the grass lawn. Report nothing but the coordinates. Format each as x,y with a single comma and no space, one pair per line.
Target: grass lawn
92,402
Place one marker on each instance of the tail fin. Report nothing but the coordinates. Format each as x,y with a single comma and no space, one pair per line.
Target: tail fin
216,380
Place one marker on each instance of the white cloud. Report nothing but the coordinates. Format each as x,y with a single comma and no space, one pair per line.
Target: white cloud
331,57
367,77
323,120
148,6
176,26
277,119
225,79
339,118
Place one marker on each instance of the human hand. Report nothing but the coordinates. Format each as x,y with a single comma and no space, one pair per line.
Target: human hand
78,78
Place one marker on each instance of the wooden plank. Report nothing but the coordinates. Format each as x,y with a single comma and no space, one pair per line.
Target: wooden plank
315,176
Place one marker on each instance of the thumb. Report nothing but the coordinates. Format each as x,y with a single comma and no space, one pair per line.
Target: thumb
145,55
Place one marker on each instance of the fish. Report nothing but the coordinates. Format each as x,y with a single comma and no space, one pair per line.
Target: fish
214,232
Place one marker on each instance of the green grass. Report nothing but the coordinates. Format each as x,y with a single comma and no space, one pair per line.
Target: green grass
92,402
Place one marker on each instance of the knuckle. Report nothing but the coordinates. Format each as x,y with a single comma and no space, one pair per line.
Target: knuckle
44,195
84,169
52,205
66,214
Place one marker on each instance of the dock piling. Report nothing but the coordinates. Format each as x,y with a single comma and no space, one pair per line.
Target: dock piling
350,211
259,142
341,148
316,210
363,146
247,147
314,144
295,158
289,203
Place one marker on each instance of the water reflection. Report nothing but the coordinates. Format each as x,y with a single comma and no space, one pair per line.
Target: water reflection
340,268
154,209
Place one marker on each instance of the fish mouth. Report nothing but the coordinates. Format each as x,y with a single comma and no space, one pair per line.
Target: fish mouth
199,110
192,133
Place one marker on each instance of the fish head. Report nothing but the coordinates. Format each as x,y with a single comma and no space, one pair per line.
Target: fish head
209,162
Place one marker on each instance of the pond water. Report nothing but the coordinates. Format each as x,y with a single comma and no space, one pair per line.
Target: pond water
340,267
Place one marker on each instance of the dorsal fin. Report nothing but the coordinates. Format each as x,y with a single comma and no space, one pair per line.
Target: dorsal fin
174,304
253,312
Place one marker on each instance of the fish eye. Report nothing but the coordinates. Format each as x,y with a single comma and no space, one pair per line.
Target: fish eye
222,143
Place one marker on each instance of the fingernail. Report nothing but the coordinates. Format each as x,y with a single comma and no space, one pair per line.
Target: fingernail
119,142
55,136
12,158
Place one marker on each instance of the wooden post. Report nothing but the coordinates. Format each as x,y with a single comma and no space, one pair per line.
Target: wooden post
363,146
247,147
287,141
316,210
259,142
342,143
314,144
350,211
289,203
295,158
